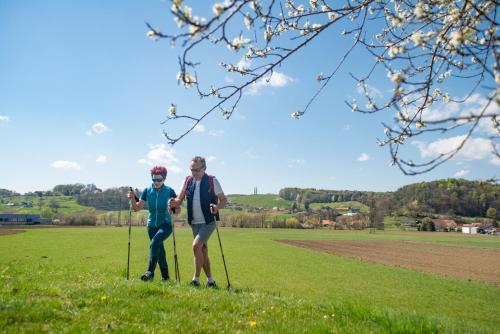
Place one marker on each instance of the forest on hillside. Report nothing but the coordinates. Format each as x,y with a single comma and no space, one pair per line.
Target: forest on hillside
450,196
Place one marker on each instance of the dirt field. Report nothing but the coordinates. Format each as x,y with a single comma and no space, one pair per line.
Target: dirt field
466,262
6,230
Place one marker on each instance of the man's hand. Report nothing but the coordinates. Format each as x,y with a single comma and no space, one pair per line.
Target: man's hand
214,209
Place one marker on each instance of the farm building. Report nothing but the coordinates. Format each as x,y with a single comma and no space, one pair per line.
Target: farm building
22,219
470,228
446,225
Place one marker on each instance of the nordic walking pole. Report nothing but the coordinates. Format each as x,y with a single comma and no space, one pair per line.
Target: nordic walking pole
129,232
176,262
220,244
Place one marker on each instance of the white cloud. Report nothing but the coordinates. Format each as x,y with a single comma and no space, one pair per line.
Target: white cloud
372,91
363,157
97,128
296,163
495,161
4,119
65,164
474,149
101,158
250,153
215,133
276,79
210,158
243,64
462,173
473,106
200,128
160,155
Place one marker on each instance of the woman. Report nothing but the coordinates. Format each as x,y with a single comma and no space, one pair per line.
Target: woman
159,220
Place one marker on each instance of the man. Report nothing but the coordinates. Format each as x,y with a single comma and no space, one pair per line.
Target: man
204,199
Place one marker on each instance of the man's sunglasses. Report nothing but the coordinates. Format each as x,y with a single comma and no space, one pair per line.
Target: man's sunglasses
196,170
158,180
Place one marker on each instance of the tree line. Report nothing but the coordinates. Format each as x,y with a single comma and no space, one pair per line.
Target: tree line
450,196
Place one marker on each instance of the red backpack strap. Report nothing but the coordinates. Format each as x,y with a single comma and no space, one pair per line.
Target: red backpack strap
211,189
186,183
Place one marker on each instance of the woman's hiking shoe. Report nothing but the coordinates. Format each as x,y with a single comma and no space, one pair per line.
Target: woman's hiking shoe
195,283
211,285
148,276
164,274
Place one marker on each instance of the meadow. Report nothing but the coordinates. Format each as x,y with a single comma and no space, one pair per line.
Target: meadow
73,280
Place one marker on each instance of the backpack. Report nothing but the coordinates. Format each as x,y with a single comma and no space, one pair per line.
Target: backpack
211,188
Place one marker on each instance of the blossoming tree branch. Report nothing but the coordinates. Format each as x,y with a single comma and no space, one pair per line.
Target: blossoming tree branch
423,46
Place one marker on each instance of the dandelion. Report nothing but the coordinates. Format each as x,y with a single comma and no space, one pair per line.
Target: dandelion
253,324
104,298
218,9
172,110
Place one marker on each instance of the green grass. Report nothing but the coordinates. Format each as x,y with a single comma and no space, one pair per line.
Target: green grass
72,280
259,201
67,204
363,208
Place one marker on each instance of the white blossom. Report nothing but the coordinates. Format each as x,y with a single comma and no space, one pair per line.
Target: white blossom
248,21
297,114
172,110
419,10
218,9
396,77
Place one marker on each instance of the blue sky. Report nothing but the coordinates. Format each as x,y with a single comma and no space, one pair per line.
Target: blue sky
83,92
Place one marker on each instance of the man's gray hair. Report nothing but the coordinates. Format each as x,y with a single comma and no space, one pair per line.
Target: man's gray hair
200,160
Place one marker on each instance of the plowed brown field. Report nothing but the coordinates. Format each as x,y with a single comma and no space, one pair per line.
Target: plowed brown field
466,262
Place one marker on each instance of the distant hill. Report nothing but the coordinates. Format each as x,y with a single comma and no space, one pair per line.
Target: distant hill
258,201
450,196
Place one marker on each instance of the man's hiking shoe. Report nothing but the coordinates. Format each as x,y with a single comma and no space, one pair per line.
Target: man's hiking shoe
211,285
148,276
195,283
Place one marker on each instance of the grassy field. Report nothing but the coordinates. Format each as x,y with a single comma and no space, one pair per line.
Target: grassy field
363,208
66,204
259,201
72,280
